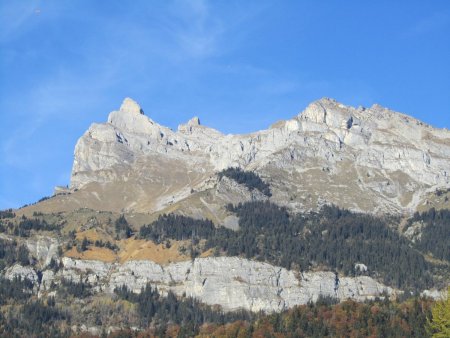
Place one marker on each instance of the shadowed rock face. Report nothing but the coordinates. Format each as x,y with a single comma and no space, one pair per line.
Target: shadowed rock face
366,159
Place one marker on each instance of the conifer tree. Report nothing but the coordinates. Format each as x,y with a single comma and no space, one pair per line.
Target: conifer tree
439,325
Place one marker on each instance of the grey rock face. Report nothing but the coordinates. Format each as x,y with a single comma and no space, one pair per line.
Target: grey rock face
23,272
368,159
231,282
43,248
233,192
234,283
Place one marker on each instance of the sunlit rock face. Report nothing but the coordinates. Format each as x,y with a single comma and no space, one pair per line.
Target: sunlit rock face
231,282
365,159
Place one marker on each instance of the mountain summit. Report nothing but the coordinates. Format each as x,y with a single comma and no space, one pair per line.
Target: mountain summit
365,159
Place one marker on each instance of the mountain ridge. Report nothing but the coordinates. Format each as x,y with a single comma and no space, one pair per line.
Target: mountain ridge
394,159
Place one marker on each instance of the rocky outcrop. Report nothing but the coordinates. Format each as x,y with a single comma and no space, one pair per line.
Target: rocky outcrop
43,248
233,192
22,272
231,282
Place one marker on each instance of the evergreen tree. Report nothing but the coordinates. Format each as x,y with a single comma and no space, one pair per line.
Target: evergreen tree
123,229
439,325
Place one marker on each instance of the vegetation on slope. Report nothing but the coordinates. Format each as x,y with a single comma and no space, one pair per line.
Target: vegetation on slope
157,311
25,316
439,321
248,178
25,226
8,213
332,238
14,290
11,252
347,319
178,228
152,314
435,237
379,318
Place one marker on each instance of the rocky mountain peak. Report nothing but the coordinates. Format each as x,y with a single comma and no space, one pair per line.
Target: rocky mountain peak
330,152
333,115
190,126
328,108
329,112
130,117
130,106
195,121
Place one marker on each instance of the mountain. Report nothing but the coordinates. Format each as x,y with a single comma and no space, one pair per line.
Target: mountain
363,159
336,203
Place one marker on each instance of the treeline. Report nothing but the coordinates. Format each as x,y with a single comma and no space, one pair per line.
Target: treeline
347,319
435,237
169,316
378,318
8,213
26,317
178,228
24,227
159,312
34,319
11,252
333,238
42,199
75,289
123,229
84,244
248,178
14,290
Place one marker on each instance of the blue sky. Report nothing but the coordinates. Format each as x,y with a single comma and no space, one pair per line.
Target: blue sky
238,65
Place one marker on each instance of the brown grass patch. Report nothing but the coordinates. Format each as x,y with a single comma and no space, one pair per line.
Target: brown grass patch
207,253
91,234
93,253
132,249
138,249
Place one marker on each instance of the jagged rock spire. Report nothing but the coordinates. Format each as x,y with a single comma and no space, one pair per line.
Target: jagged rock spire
131,106
195,121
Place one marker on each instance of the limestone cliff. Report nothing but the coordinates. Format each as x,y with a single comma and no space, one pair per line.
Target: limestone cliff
368,159
364,159
231,282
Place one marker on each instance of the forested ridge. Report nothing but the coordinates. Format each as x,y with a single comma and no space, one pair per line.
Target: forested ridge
332,238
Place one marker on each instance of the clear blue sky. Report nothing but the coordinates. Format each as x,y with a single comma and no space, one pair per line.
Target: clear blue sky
238,65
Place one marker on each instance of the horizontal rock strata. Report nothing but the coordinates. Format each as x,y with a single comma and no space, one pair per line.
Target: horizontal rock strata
231,282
